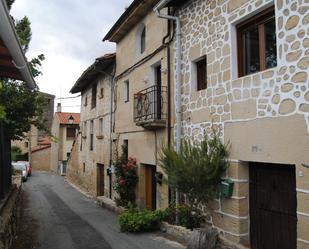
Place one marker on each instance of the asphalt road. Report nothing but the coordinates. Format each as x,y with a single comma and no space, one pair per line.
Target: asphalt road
63,218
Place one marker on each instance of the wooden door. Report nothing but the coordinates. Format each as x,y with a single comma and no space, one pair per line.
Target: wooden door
273,216
100,179
150,187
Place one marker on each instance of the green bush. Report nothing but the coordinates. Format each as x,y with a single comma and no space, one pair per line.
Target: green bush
189,217
134,220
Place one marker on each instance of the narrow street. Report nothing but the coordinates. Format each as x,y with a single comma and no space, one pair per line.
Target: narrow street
56,216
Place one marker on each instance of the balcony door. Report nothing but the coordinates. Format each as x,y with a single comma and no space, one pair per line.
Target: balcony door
158,95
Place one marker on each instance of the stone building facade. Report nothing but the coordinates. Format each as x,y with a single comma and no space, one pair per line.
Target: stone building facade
90,158
264,114
64,129
141,78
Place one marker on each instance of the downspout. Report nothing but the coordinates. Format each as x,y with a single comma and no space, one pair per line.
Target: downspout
176,19
111,126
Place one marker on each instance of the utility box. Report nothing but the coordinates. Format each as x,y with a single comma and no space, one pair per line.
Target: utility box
226,188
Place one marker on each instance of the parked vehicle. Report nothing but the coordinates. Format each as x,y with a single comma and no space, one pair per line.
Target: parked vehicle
21,167
29,167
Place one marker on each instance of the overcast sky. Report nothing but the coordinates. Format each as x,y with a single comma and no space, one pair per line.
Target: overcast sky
69,33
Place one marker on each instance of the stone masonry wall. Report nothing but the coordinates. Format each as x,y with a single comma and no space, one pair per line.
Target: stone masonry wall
207,29
10,215
266,98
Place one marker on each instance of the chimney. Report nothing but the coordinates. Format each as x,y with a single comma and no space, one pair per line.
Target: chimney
58,107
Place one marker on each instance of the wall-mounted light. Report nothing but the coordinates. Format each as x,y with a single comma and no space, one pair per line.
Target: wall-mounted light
71,120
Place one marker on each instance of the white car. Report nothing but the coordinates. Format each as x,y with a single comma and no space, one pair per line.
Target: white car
29,167
22,167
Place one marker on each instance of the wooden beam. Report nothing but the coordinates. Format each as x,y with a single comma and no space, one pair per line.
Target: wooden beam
10,72
6,63
4,50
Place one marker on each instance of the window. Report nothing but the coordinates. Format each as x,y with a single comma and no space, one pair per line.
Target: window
101,93
84,167
81,144
126,91
85,100
71,132
91,135
68,155
201,74
94,96
26,144
143,40
257,47
101,126
85,129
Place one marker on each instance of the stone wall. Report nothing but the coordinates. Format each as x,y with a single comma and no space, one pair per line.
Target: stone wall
264,115
40,159
10,215
83,162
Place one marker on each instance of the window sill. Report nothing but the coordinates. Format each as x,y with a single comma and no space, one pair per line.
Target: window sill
274,69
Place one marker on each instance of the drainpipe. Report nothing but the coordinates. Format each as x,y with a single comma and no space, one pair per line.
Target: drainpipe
111,127
176,19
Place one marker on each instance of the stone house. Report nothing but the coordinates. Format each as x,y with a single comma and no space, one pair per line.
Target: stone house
90,158
142,118
245,70
64,129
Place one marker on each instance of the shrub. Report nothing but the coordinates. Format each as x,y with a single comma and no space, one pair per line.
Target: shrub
197,170
134,220
189,217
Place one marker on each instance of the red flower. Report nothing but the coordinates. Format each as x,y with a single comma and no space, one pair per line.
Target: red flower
122,182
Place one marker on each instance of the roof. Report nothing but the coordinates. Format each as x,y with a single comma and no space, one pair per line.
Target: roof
93,71
64,117
39,148
131,16
44,141
13,63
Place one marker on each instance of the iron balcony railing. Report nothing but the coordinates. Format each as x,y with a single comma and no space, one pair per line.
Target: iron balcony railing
150,106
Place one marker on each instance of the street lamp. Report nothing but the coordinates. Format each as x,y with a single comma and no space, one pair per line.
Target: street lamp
71,120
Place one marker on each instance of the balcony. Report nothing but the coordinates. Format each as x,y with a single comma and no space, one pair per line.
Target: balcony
150,107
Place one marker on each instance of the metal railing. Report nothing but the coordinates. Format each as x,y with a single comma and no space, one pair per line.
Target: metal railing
150,105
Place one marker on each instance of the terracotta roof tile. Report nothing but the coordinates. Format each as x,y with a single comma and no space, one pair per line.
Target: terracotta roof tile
44,141
64,117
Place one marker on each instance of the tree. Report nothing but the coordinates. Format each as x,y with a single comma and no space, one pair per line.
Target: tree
21,107
15,152
197,170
